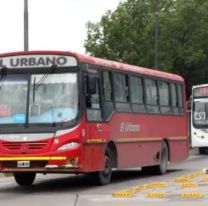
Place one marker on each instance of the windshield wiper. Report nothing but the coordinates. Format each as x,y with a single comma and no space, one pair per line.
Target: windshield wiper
39,83
3,74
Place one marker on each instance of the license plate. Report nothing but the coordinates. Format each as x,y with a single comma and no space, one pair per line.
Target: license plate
23,163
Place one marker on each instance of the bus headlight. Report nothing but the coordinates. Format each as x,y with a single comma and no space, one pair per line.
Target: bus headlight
69,146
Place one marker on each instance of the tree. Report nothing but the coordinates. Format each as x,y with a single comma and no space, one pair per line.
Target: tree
122,35
127,35
184,42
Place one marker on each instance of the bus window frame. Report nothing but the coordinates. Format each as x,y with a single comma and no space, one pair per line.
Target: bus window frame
152,106
103,100
162,107
113,71
128,103
135,106
182,108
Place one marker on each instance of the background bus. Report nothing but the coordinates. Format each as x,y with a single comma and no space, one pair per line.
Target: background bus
199,118
78,114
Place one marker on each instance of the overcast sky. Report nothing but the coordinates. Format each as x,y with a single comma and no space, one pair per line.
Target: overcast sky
53,24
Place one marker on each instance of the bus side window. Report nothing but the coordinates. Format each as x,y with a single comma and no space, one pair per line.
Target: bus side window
164,97
93,104
180,99
151,96
174,98
121,89
108,106
137,94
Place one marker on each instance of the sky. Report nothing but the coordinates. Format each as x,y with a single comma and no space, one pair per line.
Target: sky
53,24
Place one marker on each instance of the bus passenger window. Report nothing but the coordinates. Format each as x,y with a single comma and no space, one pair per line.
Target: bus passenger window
136,90
107,94
151,92
164,97
180,99
173,95
151,96
107,86
121,92
137,94
174,99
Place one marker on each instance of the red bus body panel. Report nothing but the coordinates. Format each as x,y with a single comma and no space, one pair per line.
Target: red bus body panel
133,149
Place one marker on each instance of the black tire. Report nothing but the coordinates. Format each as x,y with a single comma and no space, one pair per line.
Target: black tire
104,177
24,179
162,167
203,150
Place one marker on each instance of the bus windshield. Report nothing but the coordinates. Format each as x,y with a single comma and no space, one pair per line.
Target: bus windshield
200,113
53,98
13,99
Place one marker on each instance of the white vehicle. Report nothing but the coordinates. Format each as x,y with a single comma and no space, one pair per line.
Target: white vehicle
199,118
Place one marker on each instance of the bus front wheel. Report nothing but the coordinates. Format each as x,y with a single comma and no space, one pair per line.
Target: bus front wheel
104,177
24,179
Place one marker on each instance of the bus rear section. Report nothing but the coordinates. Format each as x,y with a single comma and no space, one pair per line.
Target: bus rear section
199,118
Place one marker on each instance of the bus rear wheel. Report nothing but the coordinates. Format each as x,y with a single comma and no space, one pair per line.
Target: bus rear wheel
24,179
203,150
162,167
104,177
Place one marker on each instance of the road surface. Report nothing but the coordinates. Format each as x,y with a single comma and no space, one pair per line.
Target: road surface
77,190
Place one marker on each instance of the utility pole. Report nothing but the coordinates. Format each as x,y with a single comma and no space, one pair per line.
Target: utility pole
26,25
157,10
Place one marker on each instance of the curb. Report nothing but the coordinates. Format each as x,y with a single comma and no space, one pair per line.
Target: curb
3,175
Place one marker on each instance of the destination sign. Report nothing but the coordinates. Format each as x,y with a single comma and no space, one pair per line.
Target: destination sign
201,92
37,61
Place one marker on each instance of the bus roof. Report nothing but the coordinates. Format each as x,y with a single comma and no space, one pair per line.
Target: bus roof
127,67
104,63
199,85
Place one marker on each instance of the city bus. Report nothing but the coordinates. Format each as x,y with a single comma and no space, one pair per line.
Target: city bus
199,118
63,112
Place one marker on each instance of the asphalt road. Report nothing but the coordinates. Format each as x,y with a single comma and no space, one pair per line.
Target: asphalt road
77,190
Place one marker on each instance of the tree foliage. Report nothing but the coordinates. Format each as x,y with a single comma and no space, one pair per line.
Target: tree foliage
128,35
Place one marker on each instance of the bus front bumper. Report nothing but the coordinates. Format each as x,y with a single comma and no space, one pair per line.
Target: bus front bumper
44,164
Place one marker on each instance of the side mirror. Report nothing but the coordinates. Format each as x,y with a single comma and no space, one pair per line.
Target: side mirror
91,84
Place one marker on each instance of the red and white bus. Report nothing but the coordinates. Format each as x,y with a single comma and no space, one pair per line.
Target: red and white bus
61,112
199,118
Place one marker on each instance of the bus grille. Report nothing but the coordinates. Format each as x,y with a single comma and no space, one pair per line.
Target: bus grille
17,146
